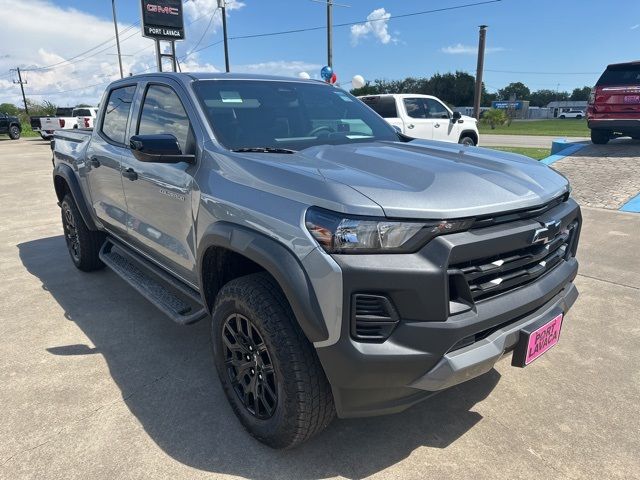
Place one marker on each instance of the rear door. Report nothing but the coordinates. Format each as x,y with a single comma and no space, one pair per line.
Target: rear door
160,216
618,92
387,108
4,123
104,160
417,123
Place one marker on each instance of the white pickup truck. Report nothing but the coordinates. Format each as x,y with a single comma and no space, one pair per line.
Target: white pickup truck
67,119
424,117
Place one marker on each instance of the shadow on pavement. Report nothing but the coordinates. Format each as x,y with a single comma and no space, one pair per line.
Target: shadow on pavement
166,376
617,147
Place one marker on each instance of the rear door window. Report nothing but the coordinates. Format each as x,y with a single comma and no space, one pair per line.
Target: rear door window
116,115
383,106
620,75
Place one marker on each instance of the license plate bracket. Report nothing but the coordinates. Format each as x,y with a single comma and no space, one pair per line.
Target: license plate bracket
536,339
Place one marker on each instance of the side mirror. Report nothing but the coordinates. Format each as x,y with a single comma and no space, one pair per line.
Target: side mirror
456,116
163,148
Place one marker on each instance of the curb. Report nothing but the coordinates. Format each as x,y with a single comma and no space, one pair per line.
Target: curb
564,152
632,205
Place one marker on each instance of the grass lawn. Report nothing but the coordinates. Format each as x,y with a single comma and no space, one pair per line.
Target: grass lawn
27,132
569,127
535,153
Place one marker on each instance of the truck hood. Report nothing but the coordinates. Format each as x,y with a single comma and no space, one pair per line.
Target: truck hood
436,180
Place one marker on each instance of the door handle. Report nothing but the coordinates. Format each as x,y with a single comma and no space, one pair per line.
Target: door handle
437,125
94,162
411,125
130,173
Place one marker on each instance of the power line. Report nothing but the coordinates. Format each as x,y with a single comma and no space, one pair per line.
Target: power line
205,30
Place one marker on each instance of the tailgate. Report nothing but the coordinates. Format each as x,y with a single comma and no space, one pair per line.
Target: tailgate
619,100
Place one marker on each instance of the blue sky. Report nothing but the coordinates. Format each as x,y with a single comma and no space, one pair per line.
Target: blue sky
560,38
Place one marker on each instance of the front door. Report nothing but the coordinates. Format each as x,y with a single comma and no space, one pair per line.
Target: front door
4,123
440,117
160,218
418,125
104,161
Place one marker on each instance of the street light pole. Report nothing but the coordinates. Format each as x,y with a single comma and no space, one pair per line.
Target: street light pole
115,25
222,5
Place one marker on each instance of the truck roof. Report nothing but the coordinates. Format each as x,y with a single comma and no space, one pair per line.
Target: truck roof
191,76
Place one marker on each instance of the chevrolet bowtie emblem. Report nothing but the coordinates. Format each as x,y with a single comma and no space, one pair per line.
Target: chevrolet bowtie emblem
548,231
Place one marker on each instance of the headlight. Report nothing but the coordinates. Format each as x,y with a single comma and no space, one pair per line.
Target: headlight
337,233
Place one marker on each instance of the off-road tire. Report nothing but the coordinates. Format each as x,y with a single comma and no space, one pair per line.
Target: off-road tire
83,244
14,132
600,137
304,404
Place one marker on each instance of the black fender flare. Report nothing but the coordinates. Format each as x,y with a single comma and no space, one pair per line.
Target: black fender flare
281,264
469,133
65,172
16,124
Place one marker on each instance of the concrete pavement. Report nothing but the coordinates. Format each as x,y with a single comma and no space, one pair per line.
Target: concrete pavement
98,384
537,141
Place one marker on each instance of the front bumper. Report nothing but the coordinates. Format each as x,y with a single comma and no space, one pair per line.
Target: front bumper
423,355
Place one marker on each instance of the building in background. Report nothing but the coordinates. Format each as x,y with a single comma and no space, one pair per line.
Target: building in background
556,108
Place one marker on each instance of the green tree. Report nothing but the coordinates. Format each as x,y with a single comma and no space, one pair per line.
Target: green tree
494,118
9,109
519,89
580,94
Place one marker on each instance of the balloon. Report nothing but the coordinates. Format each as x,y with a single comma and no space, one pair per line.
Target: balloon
334,79
304,75
357,81
326,73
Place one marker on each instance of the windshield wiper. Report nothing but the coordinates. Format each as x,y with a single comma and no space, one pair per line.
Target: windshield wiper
263,150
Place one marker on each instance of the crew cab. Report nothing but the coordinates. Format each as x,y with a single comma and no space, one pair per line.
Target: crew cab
342,266
424,117
63,120
10,125
614,103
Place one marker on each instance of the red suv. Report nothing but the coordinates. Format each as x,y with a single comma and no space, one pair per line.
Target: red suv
614,103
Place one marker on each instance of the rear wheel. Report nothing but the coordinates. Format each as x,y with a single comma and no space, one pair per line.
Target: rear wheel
14,132
268,369
600,137
563,117
83,244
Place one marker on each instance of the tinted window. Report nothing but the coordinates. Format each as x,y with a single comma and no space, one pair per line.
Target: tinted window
415,107
383,106
621,75
163,112
114,125
64,112
435,109
81,112
293,115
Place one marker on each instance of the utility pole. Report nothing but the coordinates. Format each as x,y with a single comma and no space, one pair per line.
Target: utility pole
480,68
330,33
222,5
22,84
115,25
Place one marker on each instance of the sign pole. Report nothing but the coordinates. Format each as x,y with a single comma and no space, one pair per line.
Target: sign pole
173,56
158,55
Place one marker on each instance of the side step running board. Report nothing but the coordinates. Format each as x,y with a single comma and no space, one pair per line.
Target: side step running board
177,300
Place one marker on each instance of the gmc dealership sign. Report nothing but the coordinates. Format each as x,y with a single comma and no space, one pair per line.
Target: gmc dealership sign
162,19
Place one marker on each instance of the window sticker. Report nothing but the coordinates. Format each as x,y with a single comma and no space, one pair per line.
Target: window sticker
230,97
344,97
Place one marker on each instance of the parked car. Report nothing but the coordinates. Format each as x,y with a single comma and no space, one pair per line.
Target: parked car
614,103
343,266
10,125
572,114
424,117
63,120
85,116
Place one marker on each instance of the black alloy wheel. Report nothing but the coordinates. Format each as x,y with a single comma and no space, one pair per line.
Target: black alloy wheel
249,366
70,232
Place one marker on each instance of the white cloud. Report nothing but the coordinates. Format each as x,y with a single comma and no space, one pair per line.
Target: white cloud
376,25
635,26
460,49
280,67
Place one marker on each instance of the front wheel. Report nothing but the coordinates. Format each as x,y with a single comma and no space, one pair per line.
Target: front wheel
562,117
467,140
14,132
268,369
83,244
600,137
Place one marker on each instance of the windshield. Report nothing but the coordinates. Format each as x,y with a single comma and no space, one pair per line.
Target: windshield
287,115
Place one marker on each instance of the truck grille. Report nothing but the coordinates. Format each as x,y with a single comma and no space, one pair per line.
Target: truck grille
491,276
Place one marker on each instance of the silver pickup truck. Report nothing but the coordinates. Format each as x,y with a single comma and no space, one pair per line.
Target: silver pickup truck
344,267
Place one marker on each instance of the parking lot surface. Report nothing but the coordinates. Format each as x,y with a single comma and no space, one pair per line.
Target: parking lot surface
96,383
